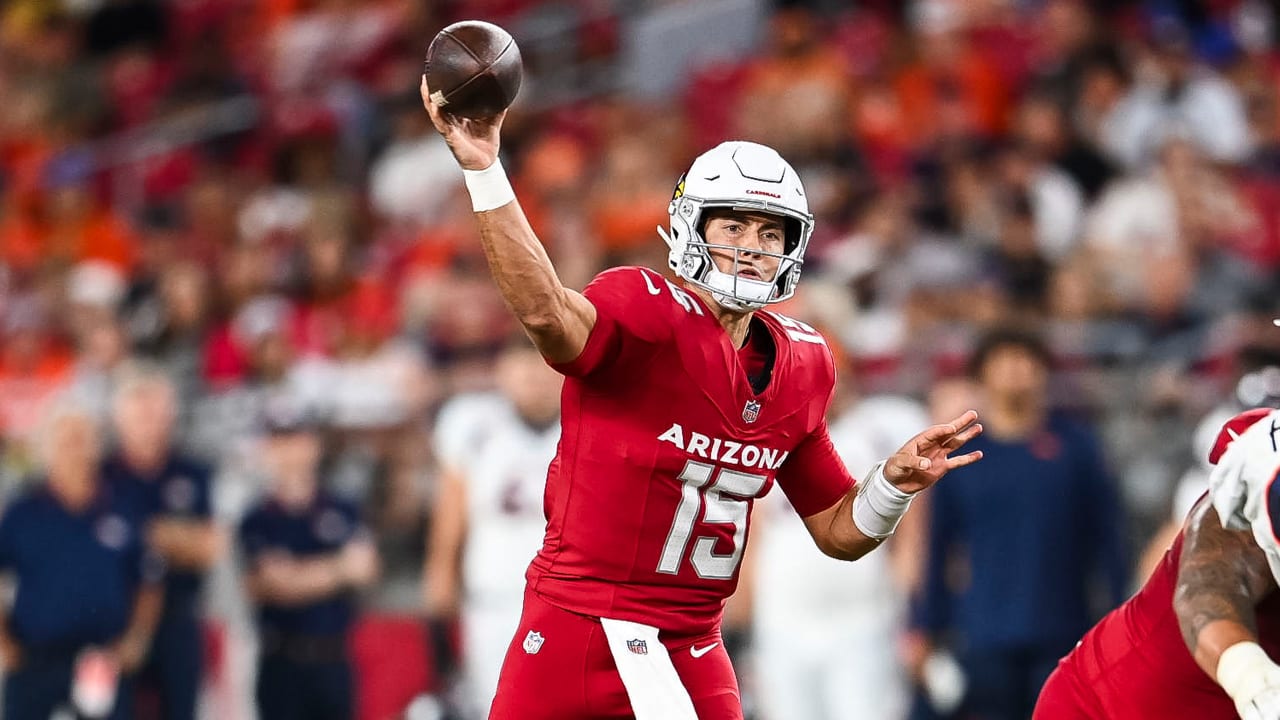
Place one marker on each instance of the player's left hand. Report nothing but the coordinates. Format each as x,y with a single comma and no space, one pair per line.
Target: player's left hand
925,458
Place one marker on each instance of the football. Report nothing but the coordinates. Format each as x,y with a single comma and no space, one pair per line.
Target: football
473,69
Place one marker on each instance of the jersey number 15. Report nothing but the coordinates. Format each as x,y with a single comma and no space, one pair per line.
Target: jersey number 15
721,499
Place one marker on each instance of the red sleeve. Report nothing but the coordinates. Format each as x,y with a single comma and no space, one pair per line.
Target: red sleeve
1234,428
632,314
814,477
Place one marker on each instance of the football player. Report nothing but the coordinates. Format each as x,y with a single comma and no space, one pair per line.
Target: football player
681,405
487,522
1196,640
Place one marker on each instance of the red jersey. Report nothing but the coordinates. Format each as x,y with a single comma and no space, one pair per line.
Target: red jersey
1135,664
664,448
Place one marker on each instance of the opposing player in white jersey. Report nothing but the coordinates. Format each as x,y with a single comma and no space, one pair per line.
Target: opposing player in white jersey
826,632
494,449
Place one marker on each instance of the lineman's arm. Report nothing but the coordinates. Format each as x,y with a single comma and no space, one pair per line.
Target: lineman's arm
869,513
1221,577
556,318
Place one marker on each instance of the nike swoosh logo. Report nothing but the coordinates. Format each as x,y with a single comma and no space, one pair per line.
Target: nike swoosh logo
698,652
653,290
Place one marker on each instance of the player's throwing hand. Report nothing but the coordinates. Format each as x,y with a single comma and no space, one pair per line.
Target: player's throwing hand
924,459
474,142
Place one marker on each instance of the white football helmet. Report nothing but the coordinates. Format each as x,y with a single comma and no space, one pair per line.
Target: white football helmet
742,176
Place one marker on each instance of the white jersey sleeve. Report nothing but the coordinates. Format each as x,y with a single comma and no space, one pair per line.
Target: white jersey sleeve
1243,485
879,424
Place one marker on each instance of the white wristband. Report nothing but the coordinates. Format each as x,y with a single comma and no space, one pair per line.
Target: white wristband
1242,669
879,506
490,189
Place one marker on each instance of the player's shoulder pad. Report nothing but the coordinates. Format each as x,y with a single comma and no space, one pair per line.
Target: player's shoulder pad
641,299
624,280
1234,428
628,285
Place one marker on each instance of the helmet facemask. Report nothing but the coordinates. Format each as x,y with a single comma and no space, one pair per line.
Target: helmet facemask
738,176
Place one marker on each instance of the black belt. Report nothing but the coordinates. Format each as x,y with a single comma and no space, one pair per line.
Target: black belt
304,648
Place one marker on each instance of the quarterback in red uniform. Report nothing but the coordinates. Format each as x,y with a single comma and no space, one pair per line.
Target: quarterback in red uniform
1194,641
682,404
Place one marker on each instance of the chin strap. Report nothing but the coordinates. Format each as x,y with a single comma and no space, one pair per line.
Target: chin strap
720,295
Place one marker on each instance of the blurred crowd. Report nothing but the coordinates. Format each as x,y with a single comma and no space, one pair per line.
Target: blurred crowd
246,198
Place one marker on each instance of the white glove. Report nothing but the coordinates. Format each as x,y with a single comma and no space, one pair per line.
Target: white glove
1239,481
1252,680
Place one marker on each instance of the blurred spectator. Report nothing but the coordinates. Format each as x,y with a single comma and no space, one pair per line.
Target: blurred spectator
102,353
630,196
170,495
1173,92
952,89
170,324
33,369
1056,200
825,632
1070,40
899,278
1148,235
375,381
1045,132
88,592
305,553
413,178
1016,265
258,360
487,522
796,97
1015,546
118,24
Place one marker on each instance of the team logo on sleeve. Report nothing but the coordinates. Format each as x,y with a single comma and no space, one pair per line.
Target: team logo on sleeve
751,411
180,494
639,647
533,642
331,527
112,531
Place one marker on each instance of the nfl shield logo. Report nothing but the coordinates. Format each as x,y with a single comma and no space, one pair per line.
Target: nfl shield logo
751,411
639,647
533,642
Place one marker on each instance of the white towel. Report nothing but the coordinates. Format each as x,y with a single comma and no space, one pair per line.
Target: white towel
651,681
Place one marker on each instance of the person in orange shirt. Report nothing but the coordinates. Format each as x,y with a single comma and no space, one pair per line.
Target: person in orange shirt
951,88
33,369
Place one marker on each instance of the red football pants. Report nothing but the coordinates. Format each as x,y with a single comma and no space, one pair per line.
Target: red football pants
572,676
